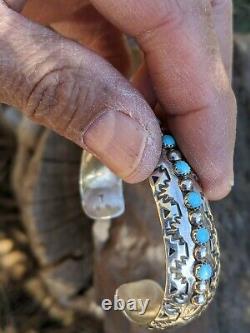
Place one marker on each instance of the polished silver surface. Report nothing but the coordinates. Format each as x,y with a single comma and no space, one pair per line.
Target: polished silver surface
100,189
188,232
185,295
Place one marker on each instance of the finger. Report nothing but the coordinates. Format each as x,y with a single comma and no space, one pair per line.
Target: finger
17,5
47,11
91,29
185,65
222,19
70,89
142,82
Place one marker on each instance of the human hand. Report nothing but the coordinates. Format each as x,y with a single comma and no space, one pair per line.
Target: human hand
66,87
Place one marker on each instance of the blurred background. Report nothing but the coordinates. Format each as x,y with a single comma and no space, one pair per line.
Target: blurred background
53,269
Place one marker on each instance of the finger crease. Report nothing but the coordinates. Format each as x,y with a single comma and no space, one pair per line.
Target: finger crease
190,111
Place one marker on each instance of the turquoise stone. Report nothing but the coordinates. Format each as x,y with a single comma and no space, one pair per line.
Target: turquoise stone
202,235
168,141
193,200
204,272
182,168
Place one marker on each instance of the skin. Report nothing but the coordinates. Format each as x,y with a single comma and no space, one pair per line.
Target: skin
71,77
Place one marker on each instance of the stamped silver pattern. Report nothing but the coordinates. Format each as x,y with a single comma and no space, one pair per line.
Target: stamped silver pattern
185,295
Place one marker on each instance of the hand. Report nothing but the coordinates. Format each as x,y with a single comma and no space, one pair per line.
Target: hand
69,88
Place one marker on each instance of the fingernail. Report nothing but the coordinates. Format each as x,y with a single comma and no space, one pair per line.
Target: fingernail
232,182
120,143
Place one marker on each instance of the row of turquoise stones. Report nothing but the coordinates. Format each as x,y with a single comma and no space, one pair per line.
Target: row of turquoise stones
193,201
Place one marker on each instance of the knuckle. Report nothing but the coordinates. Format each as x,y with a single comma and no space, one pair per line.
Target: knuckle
170,19
58,100
43,97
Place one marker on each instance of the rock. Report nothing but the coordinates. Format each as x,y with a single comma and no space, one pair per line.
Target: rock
45,179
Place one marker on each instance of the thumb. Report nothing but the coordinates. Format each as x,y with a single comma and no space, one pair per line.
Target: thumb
73,91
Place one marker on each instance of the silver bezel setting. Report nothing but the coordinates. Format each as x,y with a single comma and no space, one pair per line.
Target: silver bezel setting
185,296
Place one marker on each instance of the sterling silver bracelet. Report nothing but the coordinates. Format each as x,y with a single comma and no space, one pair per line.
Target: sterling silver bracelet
189,237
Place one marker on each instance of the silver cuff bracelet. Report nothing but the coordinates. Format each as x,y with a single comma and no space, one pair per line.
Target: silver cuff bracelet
188,231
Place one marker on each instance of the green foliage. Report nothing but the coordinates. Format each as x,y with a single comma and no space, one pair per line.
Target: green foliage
242,16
